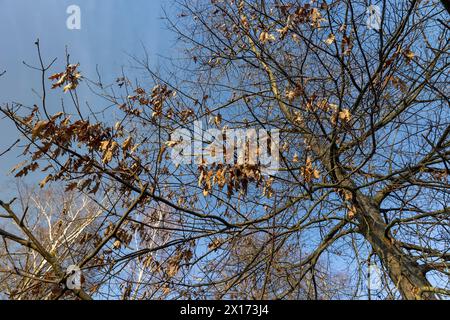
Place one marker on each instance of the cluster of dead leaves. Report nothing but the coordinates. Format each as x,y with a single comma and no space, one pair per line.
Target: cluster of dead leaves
122,236
235,177
69,78
347,196
215,244
266,37
308,171
307,14
330,39
109,148
59,134
156,99
343,115
294,93
346,43
407,53
313,104
175,261
302,14
396,82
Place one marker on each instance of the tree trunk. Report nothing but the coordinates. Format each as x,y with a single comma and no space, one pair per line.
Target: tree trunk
406,273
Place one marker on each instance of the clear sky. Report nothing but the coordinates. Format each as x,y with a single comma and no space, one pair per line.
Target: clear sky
110,30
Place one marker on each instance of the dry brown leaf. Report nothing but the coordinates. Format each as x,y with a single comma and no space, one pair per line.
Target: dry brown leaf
44,182
38,127
331,38
266,37
127,143
409,55
345,115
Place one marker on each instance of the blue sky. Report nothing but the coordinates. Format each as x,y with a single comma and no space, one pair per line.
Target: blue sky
110,30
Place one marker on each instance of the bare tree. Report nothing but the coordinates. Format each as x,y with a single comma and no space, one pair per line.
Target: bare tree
55,230
363,118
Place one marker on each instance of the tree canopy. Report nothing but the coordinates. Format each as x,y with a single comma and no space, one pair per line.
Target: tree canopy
361,191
